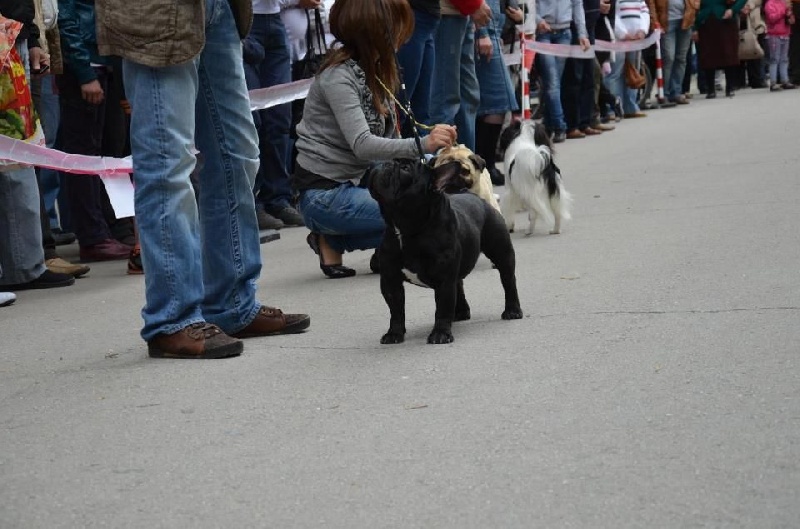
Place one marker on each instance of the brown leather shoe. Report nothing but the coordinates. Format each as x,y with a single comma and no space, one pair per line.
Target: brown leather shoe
270,320
591,131
199,340
60,266
575,134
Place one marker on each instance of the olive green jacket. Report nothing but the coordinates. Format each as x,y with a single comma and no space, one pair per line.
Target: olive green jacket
159,33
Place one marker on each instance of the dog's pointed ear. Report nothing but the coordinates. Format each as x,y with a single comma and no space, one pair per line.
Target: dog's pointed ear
445,173
478,162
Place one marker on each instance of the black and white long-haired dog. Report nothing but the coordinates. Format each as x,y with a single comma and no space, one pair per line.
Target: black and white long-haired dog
533,180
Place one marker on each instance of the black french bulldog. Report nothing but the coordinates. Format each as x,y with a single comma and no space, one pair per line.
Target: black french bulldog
433,239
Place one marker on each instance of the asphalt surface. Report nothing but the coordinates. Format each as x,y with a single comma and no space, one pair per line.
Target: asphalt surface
654,381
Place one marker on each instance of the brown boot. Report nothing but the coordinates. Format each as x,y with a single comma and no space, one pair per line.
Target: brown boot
271,321
199,340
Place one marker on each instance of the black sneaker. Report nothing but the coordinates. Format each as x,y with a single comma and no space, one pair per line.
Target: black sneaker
63,238
47,280
497,178
267,221
289,216
559,136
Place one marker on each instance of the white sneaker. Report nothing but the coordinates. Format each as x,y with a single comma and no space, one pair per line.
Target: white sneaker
7,298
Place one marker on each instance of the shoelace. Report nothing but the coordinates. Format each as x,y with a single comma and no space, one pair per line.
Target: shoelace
202,330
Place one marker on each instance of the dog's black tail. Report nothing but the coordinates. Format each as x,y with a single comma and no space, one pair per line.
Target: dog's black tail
541,137
552,175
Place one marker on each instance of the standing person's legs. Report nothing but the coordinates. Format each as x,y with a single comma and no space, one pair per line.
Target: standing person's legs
470,91
162,137
630,96
774,59
552,68
416,58
570,93
21,251
794,46
586,100
226,135
683,43
669,52
50,115
272,186
82,128
783,61
185,284
446,85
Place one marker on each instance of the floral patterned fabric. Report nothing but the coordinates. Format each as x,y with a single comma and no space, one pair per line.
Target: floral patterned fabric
18,117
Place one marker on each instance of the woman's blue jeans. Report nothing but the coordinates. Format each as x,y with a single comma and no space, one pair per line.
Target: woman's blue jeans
202,256
346,215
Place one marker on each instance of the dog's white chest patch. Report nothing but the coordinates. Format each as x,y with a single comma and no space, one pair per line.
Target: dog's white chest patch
411,277
399,237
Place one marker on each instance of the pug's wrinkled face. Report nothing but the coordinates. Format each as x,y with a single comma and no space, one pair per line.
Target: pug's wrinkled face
471,164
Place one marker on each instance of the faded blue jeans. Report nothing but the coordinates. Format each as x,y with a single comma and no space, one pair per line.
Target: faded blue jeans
675,44
417,57
21,250
615,81
551,68
347,216
455,94
202,256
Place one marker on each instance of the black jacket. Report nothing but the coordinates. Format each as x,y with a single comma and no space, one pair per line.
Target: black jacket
22,11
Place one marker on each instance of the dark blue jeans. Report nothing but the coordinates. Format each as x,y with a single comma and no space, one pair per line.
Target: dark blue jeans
416,58
85,130
272,186
347,215
550,70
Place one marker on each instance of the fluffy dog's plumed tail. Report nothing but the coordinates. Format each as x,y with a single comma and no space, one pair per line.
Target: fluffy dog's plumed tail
534,180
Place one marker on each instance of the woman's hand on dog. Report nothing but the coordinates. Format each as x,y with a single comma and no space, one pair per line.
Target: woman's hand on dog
441,136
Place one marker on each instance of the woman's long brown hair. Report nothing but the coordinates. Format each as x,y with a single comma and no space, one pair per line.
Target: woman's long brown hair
369,32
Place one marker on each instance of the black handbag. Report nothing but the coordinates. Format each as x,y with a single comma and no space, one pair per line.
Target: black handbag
316,49
308,66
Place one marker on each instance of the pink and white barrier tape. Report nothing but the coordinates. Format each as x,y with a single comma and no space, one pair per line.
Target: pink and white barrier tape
16,152
574,51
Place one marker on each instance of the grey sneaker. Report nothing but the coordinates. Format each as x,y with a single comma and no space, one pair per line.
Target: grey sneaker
289,216
267,221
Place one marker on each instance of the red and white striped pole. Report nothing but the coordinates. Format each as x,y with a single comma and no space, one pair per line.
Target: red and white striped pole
659,71
526,62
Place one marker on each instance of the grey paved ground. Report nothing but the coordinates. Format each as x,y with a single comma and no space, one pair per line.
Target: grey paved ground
653,383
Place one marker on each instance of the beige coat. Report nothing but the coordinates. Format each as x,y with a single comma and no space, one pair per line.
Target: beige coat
756,20
159,33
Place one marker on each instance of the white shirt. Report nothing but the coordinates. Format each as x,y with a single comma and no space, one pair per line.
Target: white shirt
266,7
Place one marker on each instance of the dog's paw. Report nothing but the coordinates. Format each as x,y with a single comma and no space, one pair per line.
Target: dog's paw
439,337
512,314
555,232
463,315
392,338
